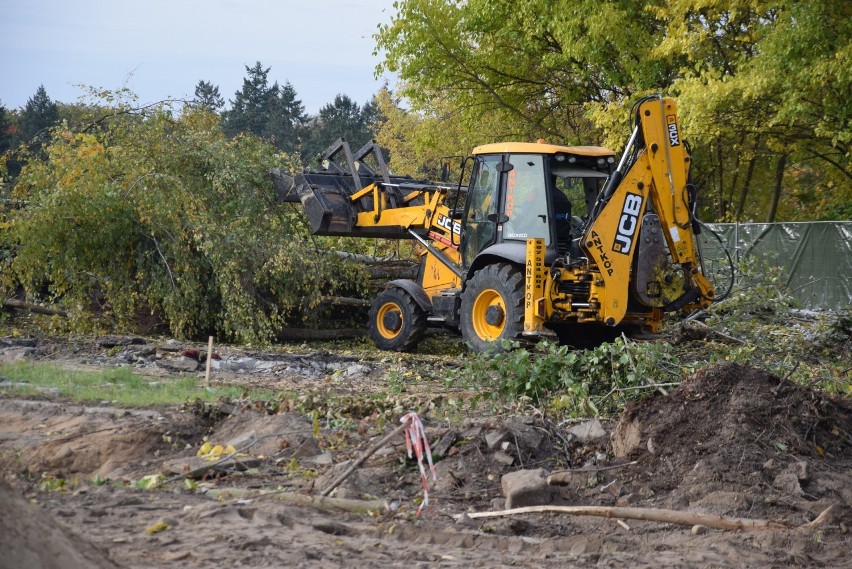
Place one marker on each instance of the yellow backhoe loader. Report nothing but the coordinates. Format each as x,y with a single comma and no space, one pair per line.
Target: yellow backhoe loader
543,239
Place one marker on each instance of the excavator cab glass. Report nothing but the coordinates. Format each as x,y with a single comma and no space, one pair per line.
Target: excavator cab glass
480,215
526,199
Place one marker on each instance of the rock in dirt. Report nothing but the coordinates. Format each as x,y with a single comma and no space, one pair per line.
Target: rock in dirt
494,438
503,458
588,431
526,488
788,482
358,486
15,354
29,537
181,363
441,449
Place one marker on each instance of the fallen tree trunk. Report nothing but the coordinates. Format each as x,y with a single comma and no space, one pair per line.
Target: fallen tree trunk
345,301
30,307
656,515
391,272
369,259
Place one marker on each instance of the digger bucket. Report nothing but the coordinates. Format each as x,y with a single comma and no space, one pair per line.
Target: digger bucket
326,195
327,205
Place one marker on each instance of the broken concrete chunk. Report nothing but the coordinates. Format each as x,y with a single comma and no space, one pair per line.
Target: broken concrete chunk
503,458
588,431
181,363
357,370
12,355
324,459
443,447
526,488
802,471
494,438
626,437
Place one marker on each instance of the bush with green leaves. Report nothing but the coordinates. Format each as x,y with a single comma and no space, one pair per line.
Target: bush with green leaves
574,382
156,213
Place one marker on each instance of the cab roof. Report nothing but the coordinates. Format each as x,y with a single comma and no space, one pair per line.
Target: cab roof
540,148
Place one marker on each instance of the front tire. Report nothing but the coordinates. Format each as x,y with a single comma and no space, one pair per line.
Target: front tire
397,322
492,307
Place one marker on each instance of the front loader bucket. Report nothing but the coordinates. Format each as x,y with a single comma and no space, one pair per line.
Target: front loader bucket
285,187
326,194
327,204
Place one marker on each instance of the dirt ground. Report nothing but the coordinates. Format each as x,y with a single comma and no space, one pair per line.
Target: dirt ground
731,441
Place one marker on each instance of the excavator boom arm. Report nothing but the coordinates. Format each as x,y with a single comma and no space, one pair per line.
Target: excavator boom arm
657,177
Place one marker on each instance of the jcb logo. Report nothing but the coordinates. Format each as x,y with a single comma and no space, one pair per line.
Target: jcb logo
448,224
627,224
674,135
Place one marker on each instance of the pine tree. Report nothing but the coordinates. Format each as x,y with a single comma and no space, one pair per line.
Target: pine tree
207,95
250,109
5,130
39,114
271,112
286,119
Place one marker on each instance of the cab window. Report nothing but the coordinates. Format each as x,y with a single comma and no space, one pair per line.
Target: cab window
526,199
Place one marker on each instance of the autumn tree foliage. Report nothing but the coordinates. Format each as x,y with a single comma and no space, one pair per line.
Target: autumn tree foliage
763,85
155,214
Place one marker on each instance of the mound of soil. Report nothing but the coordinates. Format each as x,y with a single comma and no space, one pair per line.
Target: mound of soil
30,537
735,440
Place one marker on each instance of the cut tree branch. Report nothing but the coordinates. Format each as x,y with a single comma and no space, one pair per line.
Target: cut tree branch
659,515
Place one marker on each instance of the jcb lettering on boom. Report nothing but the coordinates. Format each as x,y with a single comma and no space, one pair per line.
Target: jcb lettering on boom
627,224
448,224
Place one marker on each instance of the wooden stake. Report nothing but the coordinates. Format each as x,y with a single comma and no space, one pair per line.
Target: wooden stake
209,357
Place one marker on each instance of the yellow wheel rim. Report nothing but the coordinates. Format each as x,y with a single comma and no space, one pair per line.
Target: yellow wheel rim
388,309
485,300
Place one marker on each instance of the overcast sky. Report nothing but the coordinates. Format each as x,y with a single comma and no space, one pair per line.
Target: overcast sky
161,48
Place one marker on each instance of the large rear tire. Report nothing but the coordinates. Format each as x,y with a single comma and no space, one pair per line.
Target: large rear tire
492,307
397,322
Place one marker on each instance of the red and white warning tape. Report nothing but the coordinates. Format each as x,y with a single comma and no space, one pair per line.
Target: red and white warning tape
415,439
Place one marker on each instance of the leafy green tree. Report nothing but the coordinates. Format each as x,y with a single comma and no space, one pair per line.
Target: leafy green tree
765,89
342,118
207,96
164,215
763,84
39,115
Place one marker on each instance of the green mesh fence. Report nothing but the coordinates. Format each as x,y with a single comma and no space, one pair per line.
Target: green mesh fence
816,257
